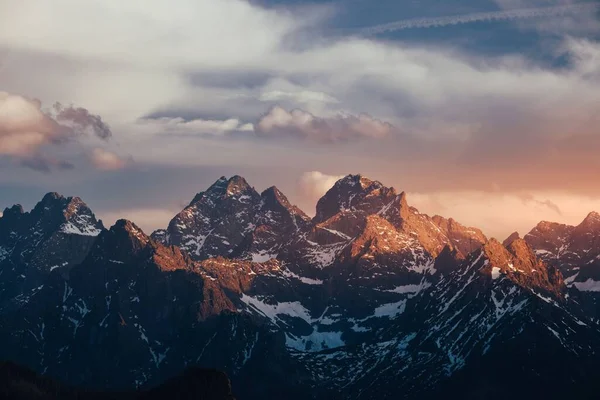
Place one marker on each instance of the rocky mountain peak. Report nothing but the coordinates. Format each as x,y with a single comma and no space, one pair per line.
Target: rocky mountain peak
127,232
434,232
121,243
584,241
273,199
216,189
357,180
499,254
54,213
224,188
496,252
12,211
50,197
573,249
591,221
519,248
548,238
403,300
237,185
57,234
354,193
51,203
511,238
129,228
518,256
219,185
548,226
402,201
273,195
518,263
220,220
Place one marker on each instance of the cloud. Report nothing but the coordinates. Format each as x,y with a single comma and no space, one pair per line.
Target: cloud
146,31
106,160
23,126
279,123
303,96
26,130
528,198
81,120
475,121
551,205
199,126
555,11
314,184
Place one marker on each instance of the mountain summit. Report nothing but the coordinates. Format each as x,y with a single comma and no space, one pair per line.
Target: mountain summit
369,299
55,235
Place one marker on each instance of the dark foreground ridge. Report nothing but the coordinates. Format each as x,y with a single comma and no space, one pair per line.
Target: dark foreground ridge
20,383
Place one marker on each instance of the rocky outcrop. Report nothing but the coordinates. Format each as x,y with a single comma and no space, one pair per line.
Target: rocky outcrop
56,235
570,248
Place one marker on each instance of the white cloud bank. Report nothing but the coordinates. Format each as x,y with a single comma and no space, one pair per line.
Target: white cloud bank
26,130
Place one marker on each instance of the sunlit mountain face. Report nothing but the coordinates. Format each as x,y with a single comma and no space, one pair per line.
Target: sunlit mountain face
322,199
368,298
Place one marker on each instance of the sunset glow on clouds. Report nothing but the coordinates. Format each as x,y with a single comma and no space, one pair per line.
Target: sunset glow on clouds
107,160
498,133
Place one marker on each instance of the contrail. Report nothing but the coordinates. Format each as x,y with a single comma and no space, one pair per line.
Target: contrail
555,11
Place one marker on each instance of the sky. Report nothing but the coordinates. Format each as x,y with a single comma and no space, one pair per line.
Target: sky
486,111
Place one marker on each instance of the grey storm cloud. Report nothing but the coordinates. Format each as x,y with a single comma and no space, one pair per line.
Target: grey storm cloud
82,121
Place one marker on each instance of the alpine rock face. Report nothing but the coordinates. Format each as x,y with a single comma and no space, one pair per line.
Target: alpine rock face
55,235
370,299
231,219
575,250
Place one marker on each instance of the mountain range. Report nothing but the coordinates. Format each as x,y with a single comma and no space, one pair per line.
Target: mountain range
369,299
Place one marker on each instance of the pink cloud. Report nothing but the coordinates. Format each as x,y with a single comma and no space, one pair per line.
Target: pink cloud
106,160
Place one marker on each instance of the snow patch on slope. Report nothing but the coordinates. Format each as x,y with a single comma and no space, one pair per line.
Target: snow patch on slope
272,311
390,310
83,229
307,281
495,273
588,286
